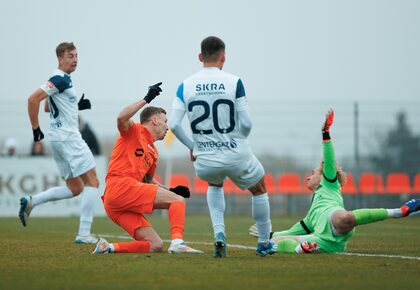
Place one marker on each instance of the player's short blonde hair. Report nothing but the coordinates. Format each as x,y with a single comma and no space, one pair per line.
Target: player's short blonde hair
63,47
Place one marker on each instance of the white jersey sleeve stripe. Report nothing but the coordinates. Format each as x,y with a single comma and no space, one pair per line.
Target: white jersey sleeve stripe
180,92
240,90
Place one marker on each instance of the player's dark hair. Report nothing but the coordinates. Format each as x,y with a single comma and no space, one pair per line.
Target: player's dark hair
211,47
63,47
149,112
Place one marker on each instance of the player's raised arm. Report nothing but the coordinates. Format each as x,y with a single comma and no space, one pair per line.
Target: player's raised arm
329,171
123,121
33,110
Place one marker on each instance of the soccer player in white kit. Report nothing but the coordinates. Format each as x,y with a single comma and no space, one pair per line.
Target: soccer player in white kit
71,154
216,106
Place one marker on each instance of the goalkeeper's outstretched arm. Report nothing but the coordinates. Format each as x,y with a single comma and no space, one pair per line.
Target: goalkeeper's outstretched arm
329,169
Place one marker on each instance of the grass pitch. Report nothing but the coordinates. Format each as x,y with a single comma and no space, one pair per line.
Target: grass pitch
43,256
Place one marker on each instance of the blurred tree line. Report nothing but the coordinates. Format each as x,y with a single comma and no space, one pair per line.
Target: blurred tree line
398,150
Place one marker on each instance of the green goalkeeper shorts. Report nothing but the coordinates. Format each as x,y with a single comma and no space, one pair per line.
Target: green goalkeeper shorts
323,231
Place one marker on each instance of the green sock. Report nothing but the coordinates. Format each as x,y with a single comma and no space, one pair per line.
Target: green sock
370,215
287,246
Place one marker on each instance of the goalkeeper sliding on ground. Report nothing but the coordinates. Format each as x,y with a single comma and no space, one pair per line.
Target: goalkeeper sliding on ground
327,227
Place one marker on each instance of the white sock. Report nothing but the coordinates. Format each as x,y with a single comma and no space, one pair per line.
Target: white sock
394,213
89,198
298,249
261,214
216,204
54,193
177,241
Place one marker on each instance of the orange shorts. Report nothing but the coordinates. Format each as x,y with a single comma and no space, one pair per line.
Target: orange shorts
126,200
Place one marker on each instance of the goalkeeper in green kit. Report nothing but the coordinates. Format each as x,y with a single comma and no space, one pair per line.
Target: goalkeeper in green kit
327,227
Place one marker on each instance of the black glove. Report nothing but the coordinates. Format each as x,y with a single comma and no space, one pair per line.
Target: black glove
38,135
84,104
181,190
153,92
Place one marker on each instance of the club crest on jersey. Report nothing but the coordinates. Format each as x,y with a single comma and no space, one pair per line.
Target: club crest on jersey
209,87
139,152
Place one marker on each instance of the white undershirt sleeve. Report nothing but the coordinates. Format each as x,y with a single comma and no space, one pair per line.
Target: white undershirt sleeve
175,123
244,118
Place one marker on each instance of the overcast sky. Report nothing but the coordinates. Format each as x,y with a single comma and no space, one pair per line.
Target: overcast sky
296,59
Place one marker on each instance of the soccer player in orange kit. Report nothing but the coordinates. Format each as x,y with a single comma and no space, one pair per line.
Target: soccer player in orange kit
131,191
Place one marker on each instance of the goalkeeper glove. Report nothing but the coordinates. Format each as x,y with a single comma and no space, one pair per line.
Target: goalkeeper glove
181,190
38,135
83,104
309,248
253,231
329,119
153,92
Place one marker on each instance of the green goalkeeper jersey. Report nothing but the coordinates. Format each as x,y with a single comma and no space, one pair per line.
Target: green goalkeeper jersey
327,199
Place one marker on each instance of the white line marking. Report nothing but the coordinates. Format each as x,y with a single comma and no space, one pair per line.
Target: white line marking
126,237
380,255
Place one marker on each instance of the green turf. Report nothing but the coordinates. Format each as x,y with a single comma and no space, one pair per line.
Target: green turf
43,256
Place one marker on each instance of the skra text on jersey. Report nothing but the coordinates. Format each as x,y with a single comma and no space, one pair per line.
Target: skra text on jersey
210,87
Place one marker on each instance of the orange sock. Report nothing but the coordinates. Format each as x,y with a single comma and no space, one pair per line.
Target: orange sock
132,247
176,215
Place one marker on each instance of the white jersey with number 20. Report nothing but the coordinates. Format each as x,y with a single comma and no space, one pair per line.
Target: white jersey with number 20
211,98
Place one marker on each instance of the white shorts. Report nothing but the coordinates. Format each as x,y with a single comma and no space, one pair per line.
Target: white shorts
73,158
245,174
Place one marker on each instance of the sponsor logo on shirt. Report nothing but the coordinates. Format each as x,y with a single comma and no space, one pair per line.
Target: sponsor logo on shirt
217,145
210,89
56,125
148,160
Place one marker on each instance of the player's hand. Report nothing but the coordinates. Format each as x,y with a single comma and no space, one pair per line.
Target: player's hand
329,119
181,190
84,104
38,135
192,157
153,92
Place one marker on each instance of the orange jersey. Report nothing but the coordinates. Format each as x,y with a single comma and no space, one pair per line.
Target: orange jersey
134,154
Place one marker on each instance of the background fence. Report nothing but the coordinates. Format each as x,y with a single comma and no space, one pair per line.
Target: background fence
288,194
